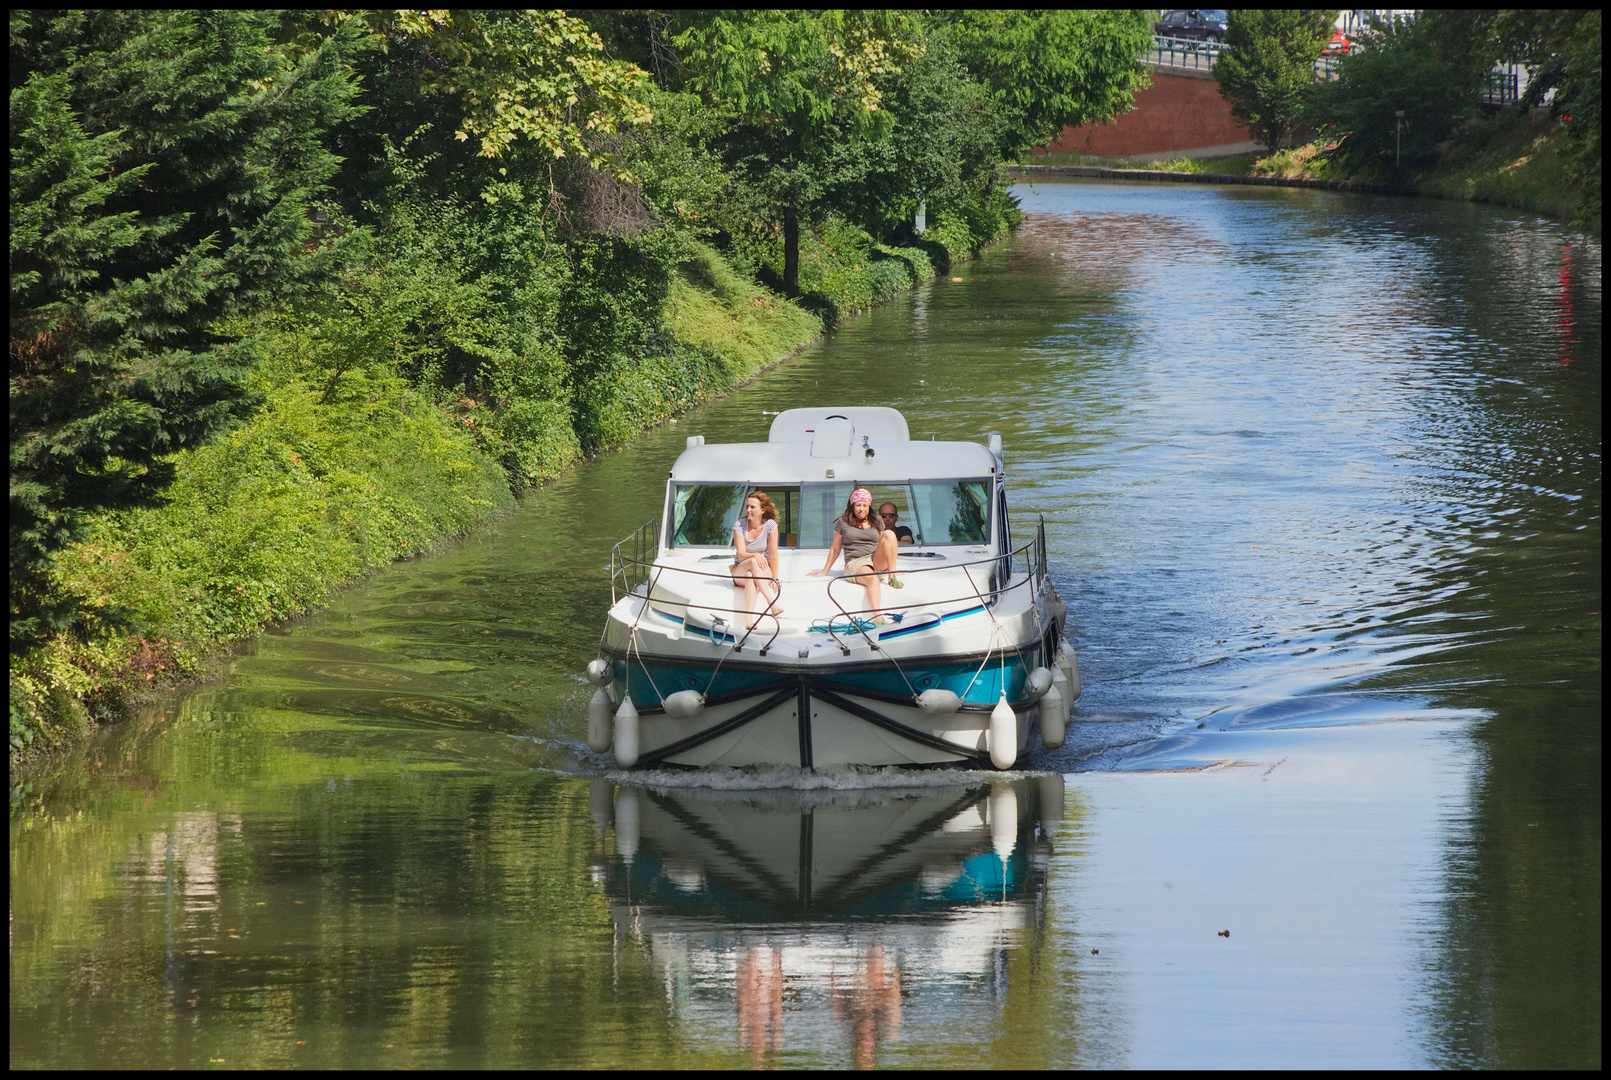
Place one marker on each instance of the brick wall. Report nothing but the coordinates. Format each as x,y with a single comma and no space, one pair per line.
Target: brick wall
1179,111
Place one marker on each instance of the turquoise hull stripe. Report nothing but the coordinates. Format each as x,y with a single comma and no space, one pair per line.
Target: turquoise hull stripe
985,689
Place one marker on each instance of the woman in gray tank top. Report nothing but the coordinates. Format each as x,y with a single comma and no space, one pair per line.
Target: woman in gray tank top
869,551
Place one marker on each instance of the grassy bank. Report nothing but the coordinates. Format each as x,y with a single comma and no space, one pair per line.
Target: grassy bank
1509,160
333,477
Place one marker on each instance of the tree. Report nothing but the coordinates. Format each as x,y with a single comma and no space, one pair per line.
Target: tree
1268,67
943,139
797,85
1052,68
1396,98
1563,49
162,167
477,97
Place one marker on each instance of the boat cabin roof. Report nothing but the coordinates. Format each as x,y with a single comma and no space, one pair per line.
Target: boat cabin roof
869,444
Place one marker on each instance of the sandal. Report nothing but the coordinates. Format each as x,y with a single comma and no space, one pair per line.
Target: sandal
896,583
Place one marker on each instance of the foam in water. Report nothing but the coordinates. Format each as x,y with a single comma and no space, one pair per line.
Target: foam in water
784,778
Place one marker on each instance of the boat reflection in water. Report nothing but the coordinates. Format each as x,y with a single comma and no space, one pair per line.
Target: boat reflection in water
819,924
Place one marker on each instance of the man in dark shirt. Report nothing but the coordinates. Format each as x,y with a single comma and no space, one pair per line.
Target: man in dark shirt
903,535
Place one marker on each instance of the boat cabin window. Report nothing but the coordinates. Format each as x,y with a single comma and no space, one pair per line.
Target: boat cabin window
703,515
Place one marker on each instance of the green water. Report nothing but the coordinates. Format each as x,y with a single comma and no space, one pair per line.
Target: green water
1321,479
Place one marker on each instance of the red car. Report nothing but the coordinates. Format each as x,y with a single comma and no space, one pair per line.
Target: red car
1339,45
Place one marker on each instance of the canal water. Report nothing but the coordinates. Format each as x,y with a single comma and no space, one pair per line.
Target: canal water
1321,480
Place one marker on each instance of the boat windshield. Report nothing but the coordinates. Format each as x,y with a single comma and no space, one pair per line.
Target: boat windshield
704,514
937,511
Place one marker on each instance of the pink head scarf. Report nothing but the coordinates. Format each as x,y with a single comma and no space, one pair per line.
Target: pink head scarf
862,495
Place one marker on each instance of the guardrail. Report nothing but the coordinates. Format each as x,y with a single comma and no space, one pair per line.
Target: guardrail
1499,89
1184,52
1203,55
1033,554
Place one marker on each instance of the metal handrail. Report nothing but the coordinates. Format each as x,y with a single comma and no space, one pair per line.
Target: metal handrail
633,572
1192,52
645,574
639,572
1203,55
1035,566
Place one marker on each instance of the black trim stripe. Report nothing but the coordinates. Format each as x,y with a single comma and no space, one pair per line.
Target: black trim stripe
891,698
861,712
730,724
807,759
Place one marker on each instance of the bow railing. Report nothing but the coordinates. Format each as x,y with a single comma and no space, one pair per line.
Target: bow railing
634,571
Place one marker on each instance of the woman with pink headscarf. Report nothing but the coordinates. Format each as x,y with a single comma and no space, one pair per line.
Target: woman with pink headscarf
868,547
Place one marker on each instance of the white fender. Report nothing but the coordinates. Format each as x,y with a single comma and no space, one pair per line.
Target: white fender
1039,681
685,704
626,733
1060,684
1073,677
1003,819
1003,735
1065,658
938,702
1053,719
600,672
626,823
598,721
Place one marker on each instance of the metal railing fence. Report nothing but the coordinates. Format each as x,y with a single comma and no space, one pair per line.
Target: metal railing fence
1184,53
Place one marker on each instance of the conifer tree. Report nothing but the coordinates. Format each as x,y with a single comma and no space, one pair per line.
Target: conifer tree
162,167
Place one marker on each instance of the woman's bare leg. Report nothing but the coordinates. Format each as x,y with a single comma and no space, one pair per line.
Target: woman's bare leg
884,554
870,582
748,583
771,591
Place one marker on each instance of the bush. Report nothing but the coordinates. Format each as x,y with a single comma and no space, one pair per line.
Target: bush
1399,71
266,521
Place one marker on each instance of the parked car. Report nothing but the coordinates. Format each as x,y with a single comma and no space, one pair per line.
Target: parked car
1193,24
1339,45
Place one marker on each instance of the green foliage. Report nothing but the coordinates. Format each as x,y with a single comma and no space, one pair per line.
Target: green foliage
149,201
801,87
1563,54
521,87
263,522
1581,96
1268,68
1509,159
1050,68
712,308
1564,45
1400,70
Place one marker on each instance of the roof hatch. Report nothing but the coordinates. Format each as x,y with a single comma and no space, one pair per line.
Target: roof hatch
877,422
